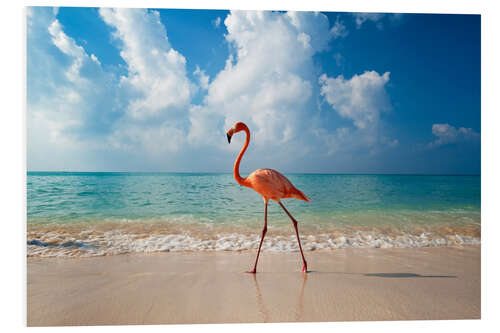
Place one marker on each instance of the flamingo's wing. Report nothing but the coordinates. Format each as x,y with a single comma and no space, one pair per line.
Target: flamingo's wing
273,185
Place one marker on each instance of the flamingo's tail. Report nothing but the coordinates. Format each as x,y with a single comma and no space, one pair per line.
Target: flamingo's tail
300,195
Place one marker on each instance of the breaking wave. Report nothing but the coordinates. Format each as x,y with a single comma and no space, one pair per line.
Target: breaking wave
95,242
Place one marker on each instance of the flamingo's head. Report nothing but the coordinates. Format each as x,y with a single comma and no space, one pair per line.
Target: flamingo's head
239,126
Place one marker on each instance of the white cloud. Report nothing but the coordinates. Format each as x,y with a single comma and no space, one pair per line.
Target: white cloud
216,22
360,99
156,71
65,105
361,18
95,59
268,82
315,26
447,134
339,30
61,94
76,108
159,92
203,78
68,46
377,19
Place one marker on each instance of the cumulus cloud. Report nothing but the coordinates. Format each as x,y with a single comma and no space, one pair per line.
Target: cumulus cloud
270,83
156,71
76,108
268,80
447,134
156,85
62,97
69,47
203,78
361,100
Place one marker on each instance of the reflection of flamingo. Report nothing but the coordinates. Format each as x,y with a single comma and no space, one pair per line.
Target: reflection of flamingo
260,302
270,184
262,308
300,306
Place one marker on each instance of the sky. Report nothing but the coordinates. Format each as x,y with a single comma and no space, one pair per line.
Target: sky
154,90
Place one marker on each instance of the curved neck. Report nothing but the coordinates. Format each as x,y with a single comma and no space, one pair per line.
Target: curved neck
236,170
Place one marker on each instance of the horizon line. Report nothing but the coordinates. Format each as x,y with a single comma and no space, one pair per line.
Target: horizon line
304,173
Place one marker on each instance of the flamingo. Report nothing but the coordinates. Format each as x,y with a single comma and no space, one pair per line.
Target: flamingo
269,183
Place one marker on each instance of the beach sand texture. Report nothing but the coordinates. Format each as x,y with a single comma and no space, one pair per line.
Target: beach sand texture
188,288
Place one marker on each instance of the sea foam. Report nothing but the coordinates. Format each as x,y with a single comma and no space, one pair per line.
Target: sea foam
116,242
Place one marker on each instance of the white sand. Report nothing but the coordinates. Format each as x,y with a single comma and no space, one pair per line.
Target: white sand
343,285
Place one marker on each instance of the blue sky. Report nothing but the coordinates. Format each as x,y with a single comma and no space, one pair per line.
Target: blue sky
155,90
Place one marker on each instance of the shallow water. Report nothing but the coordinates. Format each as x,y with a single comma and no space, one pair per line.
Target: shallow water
110,213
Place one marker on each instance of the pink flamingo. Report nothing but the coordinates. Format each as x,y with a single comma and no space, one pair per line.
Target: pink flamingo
270,184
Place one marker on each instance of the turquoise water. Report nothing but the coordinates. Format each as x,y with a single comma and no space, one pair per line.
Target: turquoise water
216,200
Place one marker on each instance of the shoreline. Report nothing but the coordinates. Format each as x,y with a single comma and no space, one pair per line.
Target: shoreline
115,238
211,287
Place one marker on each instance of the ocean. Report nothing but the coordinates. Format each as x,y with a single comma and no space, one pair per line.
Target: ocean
92,214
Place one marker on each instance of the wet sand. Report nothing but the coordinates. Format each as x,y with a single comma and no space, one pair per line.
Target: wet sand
183,288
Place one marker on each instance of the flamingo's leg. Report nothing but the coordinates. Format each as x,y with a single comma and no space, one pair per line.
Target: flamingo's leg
264,231
304,268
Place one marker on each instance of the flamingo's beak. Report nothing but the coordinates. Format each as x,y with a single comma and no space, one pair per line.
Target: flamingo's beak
228,138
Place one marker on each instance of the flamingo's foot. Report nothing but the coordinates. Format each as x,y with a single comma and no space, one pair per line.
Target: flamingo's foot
253,271
304,269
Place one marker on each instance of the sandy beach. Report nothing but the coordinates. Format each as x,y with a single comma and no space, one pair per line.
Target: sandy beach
183,288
